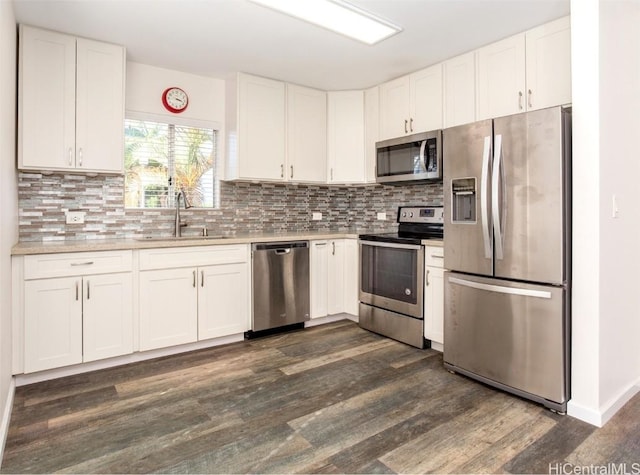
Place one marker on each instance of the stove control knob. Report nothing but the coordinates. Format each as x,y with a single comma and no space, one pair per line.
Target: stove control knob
404,214
411,214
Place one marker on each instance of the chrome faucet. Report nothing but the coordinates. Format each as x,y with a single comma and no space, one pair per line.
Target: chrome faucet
187,205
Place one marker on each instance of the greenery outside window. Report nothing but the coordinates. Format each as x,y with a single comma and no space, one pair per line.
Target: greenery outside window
161,159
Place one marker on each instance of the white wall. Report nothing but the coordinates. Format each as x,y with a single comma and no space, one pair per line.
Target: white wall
606,255
8,201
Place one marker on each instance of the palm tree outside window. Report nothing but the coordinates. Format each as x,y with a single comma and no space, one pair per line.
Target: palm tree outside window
162,159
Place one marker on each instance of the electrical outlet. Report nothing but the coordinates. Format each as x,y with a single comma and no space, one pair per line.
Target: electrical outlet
382,216
75,217
316,216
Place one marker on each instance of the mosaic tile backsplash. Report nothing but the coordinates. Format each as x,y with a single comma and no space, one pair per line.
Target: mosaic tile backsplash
245,208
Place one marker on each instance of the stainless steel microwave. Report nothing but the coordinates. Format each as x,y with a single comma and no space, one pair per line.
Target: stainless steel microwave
415,157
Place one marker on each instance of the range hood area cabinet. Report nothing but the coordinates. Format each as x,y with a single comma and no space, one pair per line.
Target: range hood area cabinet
70,103
276,131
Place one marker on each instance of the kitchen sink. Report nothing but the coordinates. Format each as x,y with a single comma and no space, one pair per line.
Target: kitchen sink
180,238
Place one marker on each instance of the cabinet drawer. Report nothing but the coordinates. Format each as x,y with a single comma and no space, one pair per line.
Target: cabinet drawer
44,266
434,256
169,257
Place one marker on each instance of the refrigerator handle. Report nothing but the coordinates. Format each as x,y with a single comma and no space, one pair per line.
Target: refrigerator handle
484,196
542,294
495,203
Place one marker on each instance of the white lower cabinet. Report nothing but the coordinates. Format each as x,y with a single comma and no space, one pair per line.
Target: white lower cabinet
168,308
223,300
191,294
53,324
334,277
434,296
77,308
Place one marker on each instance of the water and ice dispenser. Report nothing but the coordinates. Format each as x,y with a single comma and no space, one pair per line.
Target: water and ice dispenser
463,200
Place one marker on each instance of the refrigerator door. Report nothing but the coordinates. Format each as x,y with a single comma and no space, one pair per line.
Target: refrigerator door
467,223
528,196
509,335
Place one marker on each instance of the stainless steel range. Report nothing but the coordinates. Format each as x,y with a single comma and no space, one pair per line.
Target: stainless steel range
392,275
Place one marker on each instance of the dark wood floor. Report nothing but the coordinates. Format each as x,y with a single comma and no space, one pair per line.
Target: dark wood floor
329,399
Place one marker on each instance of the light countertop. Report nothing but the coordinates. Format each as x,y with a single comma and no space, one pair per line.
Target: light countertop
89,245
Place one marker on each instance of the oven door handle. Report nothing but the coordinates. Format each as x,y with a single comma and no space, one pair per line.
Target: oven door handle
393,245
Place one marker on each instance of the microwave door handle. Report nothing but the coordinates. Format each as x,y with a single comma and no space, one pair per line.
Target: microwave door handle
484,197
423,157
495,204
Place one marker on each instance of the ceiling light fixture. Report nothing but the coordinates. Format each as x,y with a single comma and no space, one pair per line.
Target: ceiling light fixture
338,16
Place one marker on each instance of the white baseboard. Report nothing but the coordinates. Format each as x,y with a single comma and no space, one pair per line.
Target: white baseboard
329,319
6,416
24,379
599,417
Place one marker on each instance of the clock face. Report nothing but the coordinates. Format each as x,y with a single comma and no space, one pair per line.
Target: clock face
175,99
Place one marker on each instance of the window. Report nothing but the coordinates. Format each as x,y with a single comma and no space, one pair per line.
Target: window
162,159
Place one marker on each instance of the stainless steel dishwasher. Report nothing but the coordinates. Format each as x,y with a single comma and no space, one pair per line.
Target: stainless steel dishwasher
280,285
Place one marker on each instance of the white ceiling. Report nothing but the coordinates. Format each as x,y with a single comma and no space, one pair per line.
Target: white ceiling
218,37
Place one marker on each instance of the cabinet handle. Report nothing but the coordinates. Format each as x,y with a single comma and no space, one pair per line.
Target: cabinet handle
194,279
406,122
201,278
437,256
520,100
70,156
530,94
80,156
281,171
331,174
411,124
291,171
333,251
427,279
88,263
88,290
318,244
77,293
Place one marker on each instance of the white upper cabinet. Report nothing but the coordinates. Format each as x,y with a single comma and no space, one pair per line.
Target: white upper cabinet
411,104
549,64
371,131
306,134
459,77
345,137
528,71
71,103
501,78
256,124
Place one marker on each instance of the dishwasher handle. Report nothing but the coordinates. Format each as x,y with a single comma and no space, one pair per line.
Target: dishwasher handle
279,247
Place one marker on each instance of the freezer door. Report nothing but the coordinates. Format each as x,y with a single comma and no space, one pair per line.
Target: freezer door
467,226
512,336
529,196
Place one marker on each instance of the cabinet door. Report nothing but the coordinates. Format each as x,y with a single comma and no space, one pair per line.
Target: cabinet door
306,134
52,323
549,64
460,90
426,100
434,304
345,137
335,271
319,278
351,275
394,108
107,327
501,78
47,97
371,131
223,300
261,128
168,308
99,106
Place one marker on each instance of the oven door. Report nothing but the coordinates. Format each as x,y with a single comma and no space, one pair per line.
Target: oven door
391,277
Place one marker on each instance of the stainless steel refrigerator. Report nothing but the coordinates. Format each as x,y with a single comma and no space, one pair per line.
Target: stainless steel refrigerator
507,253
